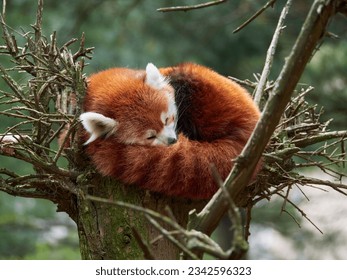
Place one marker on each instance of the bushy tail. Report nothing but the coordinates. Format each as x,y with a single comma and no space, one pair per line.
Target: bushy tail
182,169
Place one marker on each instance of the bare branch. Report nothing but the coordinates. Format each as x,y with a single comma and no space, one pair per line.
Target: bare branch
259,12
300,211
53,72
170,237
147,252
310,140
270,55
239,244
38,25
315,181
192,7
311,33
3,8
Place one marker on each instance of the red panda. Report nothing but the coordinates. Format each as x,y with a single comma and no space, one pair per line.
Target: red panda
161,129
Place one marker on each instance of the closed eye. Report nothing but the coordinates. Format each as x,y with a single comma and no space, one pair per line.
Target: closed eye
151,135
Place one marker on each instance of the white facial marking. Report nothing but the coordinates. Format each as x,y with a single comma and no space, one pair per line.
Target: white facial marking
154,78
168,133
172,107
166,137
97,125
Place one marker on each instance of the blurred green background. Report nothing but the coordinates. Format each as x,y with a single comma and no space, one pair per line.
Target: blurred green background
131,33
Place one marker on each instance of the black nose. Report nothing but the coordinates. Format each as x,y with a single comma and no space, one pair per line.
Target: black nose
171,140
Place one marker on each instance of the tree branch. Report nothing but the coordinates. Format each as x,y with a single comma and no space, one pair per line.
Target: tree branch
192,7
54,73
300,211
312,32
310,140
270,55
259,12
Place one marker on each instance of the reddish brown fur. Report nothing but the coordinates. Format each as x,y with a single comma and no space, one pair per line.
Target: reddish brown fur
224,115
121,94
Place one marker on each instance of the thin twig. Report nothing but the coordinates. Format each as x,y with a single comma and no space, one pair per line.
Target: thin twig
192,7
147,252
173,240
270,54
301,212
310,140
239,244
247,83
259,12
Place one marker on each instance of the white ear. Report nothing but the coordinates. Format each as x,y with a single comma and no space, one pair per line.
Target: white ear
97,125
154,78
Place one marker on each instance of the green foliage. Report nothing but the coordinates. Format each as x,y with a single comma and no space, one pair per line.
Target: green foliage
30,229
67,251
327,72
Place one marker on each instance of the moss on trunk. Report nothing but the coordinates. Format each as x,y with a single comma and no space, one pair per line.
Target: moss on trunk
105,230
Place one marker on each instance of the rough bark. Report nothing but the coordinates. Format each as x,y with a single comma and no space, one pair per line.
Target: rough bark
106,231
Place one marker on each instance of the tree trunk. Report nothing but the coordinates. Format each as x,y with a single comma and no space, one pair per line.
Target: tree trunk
105,230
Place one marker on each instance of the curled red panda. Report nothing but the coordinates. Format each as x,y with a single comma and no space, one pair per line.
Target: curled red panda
161,129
